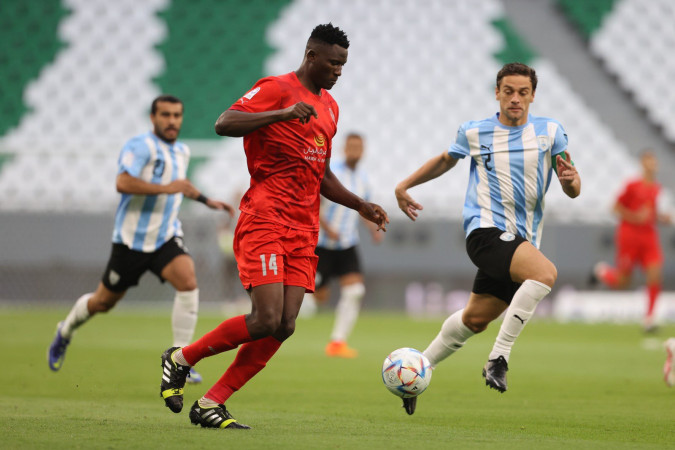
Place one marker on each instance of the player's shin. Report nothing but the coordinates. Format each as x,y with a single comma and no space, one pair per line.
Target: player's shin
347,311
517,315
251,358
78,315
184,317
452,337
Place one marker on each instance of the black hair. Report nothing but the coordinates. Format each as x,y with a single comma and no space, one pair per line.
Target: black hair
164,98
517,68
330,34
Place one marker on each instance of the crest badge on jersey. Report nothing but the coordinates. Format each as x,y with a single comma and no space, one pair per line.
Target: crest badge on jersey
544,143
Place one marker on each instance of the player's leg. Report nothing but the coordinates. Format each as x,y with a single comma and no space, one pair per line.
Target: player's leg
321,294
174,265
669,365
619,276
462,324
251,357
352,290
102,300
537,275
653,273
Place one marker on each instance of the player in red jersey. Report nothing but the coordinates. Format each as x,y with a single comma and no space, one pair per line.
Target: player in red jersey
637,237
288,123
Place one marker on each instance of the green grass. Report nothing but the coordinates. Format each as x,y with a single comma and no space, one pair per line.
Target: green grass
570,386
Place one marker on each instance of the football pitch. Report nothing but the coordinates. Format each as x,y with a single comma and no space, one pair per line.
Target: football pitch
570,386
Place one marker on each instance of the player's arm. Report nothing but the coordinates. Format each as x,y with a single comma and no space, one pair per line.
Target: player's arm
129,184
431,169
333,190
235,123
567,174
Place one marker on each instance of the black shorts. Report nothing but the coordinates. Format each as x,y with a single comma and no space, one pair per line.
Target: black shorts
335,263
491,250
126,266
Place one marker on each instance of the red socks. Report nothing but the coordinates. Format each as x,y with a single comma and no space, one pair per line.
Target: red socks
251,358
226,336
609,276
653,294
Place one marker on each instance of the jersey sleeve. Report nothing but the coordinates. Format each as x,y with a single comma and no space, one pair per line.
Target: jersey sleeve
460,148
559,141
264,96
134,156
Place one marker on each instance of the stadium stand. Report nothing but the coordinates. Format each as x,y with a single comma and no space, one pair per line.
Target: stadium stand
416,71
634,42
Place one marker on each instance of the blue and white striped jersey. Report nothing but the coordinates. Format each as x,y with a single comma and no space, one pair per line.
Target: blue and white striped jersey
145,222
510,173
341,218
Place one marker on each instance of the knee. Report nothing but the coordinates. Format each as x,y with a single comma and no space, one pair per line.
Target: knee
285,330
186,284
101,305
264,324
548,276
475,323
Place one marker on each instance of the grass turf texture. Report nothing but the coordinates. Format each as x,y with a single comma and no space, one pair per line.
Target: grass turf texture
570,386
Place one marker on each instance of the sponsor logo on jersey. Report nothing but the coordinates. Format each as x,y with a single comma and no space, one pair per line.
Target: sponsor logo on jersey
320,140
250,94
507,237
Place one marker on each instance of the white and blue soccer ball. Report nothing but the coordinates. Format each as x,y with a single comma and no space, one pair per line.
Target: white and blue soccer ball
406,372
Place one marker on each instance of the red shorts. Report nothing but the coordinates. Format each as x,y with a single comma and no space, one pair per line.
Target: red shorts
268,252
634,249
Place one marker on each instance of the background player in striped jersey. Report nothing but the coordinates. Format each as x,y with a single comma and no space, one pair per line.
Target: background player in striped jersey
513,155
337,251
288,123
147,234
637,236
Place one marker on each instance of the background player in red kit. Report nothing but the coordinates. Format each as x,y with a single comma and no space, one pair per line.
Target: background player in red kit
288,123
637,238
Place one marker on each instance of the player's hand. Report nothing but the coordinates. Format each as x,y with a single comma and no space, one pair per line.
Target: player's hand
407,204
183,186
332,234
374,213
567,173
302,111
220,206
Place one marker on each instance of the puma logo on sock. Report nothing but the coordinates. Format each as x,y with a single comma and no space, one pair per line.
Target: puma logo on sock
518,317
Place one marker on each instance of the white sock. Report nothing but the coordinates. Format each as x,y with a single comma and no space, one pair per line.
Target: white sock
452,337
347,311
207,402
78,315
518,313
184,317
308,307
179,358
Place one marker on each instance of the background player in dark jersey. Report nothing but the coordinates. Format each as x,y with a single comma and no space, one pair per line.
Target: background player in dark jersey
288,123
637,236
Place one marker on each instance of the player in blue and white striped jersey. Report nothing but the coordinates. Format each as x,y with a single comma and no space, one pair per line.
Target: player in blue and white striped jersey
147,233
337,251
513,156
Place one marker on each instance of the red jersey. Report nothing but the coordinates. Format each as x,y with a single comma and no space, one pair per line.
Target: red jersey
287,160
636,196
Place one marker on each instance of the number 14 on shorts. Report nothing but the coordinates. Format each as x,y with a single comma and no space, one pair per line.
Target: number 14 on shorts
272,265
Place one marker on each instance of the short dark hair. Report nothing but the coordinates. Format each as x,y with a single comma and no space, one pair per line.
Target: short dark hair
517,68
330,34
164,98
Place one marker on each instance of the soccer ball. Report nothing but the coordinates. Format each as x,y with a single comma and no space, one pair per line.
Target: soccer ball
406,372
